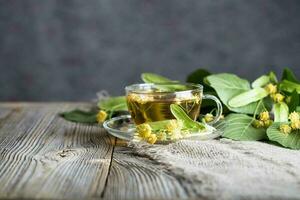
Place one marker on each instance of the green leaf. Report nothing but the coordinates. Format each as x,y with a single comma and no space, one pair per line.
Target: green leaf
239,127
248,97
159,125
294,101
155,78
273,77
180,114
261,81
264,80
228,86
281,112
80,116
267,104
113,104
198,78
289,76
291,140
168,85
289,86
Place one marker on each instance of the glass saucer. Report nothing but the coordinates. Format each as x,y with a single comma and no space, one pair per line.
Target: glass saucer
123,127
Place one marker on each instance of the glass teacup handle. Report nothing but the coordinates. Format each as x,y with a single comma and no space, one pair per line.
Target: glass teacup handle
219,107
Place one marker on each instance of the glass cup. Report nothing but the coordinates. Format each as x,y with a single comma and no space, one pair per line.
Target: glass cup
149,102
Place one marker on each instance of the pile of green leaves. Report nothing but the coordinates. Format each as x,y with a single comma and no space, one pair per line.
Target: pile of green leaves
244,101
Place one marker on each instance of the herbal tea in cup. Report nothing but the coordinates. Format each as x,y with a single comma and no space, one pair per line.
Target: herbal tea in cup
151,102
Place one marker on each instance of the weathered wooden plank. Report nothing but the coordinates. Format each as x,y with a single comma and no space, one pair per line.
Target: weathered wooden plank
218,169
43,156
134,177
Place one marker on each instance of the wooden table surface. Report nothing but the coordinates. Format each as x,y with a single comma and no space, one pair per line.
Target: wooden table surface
42,156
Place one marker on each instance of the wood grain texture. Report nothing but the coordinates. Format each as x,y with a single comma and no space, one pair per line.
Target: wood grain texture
43,156
136,177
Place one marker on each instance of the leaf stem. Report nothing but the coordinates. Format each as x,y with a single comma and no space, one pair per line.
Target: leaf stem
256,109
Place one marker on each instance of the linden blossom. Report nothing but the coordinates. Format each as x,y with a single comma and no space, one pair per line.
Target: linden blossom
285,128
294,124
101,116
294,117
160,130
264,120
295,120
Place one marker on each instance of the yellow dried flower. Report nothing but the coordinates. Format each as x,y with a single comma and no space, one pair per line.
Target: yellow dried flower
268,123
288,99
185,133
140,98
277,97
294,117
258,124
264,116
208,117
295,125
174,125
101,116
271,89
176,135
285,128
152,139
161,136
144,130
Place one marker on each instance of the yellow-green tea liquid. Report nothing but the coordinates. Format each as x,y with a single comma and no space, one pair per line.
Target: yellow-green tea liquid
148,110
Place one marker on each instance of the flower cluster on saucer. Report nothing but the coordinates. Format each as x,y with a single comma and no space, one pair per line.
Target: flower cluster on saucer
171,130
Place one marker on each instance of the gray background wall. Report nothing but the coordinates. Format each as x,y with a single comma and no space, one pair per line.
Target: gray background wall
68,49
